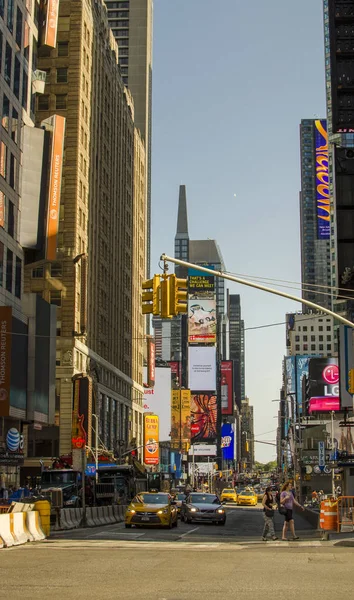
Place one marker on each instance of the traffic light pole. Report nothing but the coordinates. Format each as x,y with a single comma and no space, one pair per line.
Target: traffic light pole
257,286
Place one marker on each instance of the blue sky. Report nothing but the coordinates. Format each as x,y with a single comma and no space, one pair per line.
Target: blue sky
231,82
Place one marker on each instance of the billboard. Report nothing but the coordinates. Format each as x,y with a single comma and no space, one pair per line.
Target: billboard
302,371
228,441
227,392
151,440
180,419
201,319
202,368
157,399
200,283
322,180
323,385
55,185
5,359
50,11
290,375
203,416
151,361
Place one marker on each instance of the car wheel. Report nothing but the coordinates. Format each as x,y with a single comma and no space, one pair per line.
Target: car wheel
127,526
221,522
175,524
170,525
188,520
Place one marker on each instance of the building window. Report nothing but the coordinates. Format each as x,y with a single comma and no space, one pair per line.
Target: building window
3,159
55,297
9,264
19,28
24,90
18,276
12,171
321,347
58,358
38,273
11,219
313,347
305,328
56,269
2,6
63,48
10,15
329,347
17,75
5,112
60,101
43,102
313,338
8,63
305,348
297,348
62,75
320,338
305,338
329,338
1,263
311,327
320,328
329,328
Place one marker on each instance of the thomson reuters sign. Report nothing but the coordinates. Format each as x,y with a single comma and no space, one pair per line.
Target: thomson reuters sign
55,185
5,359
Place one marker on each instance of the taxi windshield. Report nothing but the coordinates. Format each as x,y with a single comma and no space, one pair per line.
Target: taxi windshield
228,491
204,499
247,494
153,498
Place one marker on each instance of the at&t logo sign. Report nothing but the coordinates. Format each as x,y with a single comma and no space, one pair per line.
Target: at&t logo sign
14,440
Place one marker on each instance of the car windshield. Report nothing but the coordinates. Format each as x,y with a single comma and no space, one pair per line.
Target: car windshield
180,496
204,499
153,498
247,494
228,491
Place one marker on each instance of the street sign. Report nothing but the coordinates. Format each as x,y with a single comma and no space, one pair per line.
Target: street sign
321,455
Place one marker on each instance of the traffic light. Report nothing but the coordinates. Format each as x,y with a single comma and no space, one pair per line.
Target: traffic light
178,295
151,297
247,447
351,381
165,297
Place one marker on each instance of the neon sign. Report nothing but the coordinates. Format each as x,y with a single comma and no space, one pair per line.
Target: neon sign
322,180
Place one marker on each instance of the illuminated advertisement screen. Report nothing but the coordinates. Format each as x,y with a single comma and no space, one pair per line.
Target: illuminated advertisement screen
322,180
157,399
203,416
323,385
201,320
199,282
227,441
180,418
202,367
227,392
151,440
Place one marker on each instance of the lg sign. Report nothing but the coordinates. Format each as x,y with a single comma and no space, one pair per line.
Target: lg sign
331,374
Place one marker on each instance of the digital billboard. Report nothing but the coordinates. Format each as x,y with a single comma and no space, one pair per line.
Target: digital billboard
228,441
157,399
302,371
56,166
322,180
151,440
201,320
203,416
202,368
227,392
323,385
200,283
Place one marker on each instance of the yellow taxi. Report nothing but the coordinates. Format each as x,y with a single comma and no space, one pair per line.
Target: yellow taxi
151,509
247,498
228,495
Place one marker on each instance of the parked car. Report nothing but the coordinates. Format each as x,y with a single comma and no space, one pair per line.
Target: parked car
203,507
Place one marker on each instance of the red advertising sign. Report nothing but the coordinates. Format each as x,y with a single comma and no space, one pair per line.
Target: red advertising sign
323,404
151,361
55,186
227,391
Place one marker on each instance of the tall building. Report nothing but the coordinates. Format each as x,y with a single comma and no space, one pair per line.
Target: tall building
247,435
207,252
310,335
131,22
314,220
95,277
237,345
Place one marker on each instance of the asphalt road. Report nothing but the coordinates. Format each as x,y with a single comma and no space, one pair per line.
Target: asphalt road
242,524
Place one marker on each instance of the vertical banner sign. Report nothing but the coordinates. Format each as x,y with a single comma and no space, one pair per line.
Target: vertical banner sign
83,295
322,180
55,185
78,433
151,361
2,209
5,359
50,11
321,455
227,393
175,419
185,418
151,440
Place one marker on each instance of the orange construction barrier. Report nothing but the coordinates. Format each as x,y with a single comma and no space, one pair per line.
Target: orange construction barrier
329,515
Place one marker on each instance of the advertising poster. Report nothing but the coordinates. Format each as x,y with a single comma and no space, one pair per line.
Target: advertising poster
323,385
180,419
5,359
200,283
50,12
302,371
56,166
227,392
150,361
176,372
157,400
342,437
203,416
202,367
202,320
228,441
151,440
322,180
290,374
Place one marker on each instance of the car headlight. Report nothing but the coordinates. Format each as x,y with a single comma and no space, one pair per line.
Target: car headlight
193,509
164,511
220,510
131,510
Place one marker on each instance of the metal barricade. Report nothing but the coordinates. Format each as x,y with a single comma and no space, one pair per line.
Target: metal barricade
345,521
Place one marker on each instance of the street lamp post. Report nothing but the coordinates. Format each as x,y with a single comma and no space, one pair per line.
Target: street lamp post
96,447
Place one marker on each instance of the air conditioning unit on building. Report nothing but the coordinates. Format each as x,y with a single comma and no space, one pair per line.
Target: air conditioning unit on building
38,81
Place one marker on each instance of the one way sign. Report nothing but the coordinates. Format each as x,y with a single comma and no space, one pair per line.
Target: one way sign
321,455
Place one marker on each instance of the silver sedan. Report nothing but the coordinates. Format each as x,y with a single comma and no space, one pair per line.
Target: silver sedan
203,507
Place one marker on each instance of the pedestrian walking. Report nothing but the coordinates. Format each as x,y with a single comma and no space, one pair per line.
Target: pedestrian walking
287,501
268,508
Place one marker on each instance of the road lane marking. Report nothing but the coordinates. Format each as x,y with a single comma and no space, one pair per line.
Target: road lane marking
188,532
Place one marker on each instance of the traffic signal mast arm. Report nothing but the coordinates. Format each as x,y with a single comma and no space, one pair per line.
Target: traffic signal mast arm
165,295
257,286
